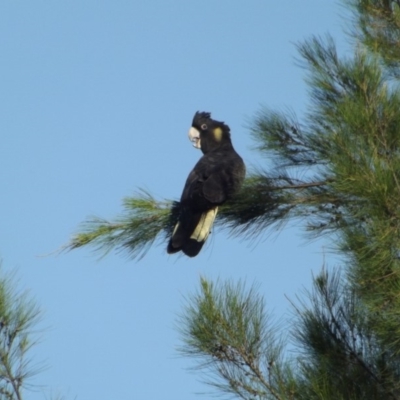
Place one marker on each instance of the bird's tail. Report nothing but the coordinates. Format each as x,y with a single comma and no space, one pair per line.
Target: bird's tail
191,232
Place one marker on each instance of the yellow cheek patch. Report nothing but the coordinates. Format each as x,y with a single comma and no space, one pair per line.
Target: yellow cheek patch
218,134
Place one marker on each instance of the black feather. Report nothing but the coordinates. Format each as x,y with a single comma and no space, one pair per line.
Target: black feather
216,178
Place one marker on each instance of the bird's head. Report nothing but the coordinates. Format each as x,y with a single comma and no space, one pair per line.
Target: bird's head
206,133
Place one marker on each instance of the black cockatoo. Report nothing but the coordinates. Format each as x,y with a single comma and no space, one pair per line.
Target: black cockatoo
216,177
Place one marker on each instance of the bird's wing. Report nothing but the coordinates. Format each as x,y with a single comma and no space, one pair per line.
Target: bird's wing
225,177
193,186
214,187
206,183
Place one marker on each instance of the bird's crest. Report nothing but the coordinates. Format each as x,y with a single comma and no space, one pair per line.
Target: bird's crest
201,117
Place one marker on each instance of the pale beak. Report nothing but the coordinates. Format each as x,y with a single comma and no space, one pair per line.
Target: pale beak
194,137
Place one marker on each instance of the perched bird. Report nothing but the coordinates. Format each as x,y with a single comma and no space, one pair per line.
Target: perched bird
216,177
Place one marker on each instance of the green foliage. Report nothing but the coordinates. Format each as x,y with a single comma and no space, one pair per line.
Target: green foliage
224,326
378,23
18,316
342,356
143,220
339,355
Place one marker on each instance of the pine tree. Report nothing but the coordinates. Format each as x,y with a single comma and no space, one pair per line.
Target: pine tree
338,170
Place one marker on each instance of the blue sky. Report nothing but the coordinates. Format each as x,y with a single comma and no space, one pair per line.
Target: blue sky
96,98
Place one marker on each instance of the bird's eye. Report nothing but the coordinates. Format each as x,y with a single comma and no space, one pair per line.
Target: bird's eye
204,127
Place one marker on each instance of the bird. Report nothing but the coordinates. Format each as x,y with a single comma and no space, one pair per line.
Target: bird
216,178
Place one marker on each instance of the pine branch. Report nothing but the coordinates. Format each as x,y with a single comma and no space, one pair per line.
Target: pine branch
264,201
378,27
341,344
143,222
224,326
281,138
17,316
339,312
